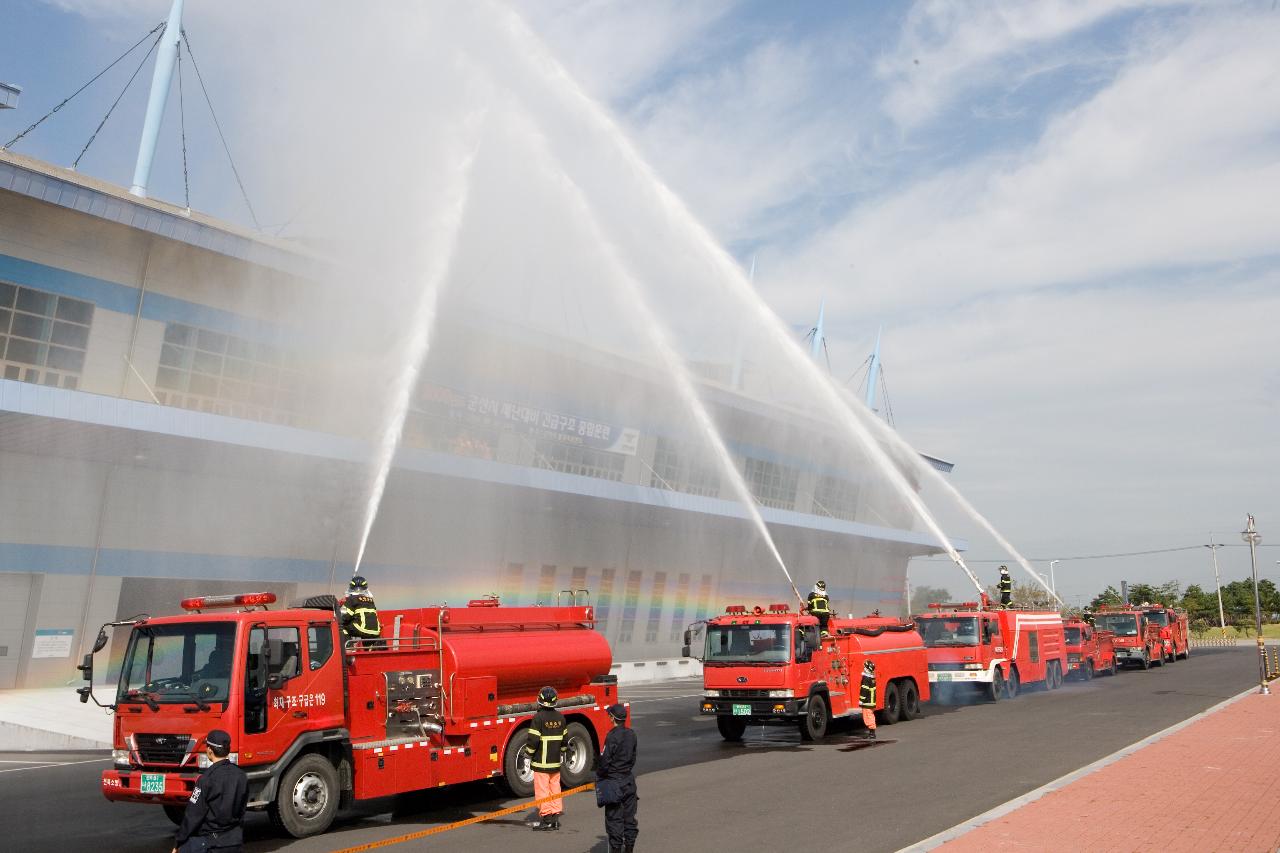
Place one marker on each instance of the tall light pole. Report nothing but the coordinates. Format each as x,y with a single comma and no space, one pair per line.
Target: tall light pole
1053,585
1251,535
1217,581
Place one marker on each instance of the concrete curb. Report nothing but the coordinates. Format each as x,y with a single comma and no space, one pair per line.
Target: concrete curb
649,671
16,738
935,841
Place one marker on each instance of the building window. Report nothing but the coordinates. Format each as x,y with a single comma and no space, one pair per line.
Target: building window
676,467
43,336
836,497
228,375
773,484
575,459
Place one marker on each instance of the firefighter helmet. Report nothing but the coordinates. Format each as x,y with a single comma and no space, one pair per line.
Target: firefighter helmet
1004,570
820,586
547,697
869,665
358,584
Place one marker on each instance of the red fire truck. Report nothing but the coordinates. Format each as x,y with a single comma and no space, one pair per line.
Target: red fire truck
444,697
995,651
1174,630
1137,637
1089,651
771,666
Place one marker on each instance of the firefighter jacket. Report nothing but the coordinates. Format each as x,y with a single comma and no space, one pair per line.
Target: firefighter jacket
216,806
546,740
1005,586
819,604
618,759
867,692
360,617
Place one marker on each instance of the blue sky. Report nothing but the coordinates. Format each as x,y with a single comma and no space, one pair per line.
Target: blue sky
1063,213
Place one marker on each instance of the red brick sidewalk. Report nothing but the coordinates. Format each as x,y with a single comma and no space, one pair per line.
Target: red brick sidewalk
1211,786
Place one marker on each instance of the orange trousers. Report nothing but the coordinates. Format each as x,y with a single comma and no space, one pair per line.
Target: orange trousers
869,719
548,785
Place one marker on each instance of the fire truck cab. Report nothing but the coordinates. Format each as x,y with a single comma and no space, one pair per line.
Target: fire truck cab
772,667
444,697
1089,651
1137,637
1174,630
996,652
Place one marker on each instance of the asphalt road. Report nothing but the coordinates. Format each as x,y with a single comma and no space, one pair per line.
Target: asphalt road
697,792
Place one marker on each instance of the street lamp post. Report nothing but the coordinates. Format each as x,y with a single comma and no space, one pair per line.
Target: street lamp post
1251,535
1053,584
1217,581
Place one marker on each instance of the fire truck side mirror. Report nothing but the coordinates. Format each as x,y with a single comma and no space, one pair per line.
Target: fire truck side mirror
684,650
688,640
86,671
101,642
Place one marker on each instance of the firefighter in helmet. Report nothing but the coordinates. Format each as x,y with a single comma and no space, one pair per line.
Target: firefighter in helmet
1006,587
360,614
867,697
545,748
820,605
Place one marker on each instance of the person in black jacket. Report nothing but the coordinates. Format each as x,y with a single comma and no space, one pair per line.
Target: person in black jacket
819,604
617,766
545,748
867,698
215,810
1006,587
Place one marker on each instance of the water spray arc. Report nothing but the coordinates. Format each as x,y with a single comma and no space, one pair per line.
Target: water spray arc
415,354
660,339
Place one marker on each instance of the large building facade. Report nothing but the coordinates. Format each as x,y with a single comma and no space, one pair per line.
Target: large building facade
159,436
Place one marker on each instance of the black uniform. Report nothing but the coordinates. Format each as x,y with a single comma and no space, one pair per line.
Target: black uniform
215,811
545,745
820,606
360,619
617,764
1006,590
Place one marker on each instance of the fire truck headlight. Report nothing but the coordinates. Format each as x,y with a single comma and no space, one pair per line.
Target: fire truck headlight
202,760
120,757
712,694
781,694
973,666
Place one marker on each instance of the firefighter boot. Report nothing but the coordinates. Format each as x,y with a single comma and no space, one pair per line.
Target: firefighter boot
549,823
871,734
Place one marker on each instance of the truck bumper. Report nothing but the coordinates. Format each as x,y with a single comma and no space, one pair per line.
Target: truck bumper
960,676
754,709
126,786
1124,653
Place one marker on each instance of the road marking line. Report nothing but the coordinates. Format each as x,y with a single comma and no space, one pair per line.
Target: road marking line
435,830
935,841
58,764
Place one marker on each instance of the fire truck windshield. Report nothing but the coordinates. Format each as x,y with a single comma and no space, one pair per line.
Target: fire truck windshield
172,664
948,630
748,644
1158,617
1072,636
1123,624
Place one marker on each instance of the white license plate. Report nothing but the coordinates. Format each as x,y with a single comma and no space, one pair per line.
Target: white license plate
742,710
152,783
944,676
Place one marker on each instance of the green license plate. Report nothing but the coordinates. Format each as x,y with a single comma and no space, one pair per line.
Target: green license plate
152,783
742,710
944,676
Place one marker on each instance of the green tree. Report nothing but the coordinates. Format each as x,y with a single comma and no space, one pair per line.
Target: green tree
923,596
1110,596
1200,604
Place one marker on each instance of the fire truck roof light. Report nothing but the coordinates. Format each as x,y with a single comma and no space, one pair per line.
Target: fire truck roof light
736,608
247,599
779,608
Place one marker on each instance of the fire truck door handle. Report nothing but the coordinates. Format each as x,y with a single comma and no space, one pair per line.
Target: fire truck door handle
300,715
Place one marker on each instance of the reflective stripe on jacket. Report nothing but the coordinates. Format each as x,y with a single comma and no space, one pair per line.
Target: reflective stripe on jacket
819,605
360,616
546,740
1006,585
867,692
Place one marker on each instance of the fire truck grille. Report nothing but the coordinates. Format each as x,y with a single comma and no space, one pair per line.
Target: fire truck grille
745,693
162,749
950,666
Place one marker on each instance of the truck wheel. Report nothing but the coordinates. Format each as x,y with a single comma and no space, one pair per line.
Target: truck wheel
731,728
1087,670
579,756
996,690
1146,660
175,814
307,798
910,700
892,705
813,725
517,773
1013,686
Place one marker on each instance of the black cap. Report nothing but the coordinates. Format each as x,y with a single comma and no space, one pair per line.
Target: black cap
219,741
618,712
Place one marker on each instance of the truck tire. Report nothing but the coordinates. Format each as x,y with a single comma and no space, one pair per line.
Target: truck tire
996,689
579,756
175,814
1146,660
1086,671
731,728
307,798
1013,686
517,775
813,725
1053,678
892,705
910,700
